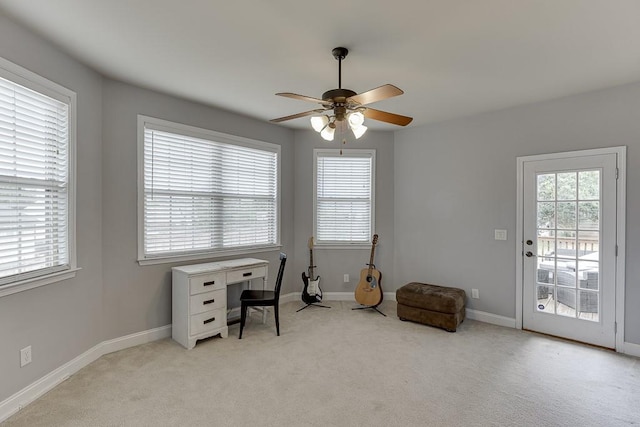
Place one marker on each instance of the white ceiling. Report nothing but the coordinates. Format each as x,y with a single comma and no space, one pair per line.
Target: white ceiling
452,58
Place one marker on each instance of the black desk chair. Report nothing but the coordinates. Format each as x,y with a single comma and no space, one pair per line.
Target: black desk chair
261,298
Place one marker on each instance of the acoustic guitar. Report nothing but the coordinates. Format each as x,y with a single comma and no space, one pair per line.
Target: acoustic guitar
311,292
369,292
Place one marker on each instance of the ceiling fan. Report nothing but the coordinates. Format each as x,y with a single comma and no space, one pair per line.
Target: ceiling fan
345,104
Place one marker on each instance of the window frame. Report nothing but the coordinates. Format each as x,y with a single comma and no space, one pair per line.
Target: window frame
219,137
360,153
23,77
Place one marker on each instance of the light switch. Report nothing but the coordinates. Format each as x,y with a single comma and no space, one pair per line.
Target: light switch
500,234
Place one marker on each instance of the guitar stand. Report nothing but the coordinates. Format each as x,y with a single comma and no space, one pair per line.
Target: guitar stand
313,304
373,307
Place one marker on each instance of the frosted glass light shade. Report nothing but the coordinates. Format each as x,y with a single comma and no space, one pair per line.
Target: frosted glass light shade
327,133
358,131
319,122
356,119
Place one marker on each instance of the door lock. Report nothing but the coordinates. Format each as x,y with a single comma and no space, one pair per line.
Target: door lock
529,254
529,242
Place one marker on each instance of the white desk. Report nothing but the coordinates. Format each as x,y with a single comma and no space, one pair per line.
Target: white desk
199,296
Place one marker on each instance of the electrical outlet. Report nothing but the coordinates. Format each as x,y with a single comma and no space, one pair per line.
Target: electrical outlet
346,278
500,234
475,293
25,356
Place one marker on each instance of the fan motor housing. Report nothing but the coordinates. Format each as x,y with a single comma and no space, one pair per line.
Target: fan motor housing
338,99
338,95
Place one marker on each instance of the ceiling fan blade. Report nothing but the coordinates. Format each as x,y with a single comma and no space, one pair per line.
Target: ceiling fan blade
303,98
295,116
383,116
375,95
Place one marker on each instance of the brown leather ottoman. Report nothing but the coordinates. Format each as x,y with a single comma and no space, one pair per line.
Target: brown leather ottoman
431,305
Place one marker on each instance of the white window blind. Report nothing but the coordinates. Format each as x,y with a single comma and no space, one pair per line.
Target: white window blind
344,196
34,183
202,195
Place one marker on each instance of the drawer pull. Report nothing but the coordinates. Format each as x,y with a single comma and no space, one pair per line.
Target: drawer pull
213,282
209,320
247,274
209,301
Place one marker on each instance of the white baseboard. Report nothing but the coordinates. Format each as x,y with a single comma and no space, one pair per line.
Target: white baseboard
631,349
494,319
33,391
30,393
290,297
135,339
481,316
340,296
333,296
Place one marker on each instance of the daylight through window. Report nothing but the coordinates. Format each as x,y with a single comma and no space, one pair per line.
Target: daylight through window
205,192
34,181
344,196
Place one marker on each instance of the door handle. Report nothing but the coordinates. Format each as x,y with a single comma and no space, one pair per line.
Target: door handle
529,254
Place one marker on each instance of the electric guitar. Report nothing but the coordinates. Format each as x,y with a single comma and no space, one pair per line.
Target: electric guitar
311,292
369,291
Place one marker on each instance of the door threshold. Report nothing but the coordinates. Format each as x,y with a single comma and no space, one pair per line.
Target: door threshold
570,340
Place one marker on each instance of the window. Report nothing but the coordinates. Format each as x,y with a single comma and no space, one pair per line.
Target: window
36,182
204,193
344,196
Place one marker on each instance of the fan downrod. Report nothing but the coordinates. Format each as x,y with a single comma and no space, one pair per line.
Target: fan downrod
339,96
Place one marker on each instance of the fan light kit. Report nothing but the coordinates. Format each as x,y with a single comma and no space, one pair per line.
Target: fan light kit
346,105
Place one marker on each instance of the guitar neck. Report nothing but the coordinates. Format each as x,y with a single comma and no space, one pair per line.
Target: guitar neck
311,275
373,249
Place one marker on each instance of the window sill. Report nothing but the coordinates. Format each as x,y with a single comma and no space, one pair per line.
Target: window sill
36,282
209,255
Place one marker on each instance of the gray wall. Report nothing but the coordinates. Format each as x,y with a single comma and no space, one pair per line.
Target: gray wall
441,190
455,182
112,295
138,298
334,263
62,320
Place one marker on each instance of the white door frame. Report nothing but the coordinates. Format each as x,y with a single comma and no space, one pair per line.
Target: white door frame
621,191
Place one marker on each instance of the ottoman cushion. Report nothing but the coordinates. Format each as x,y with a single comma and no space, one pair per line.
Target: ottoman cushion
431,305
431,297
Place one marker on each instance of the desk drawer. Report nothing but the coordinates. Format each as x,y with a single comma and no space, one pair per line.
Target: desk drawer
206,283
207,301
245,274
207,321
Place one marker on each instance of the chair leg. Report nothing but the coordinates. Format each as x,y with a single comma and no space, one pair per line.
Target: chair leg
243,317
275,311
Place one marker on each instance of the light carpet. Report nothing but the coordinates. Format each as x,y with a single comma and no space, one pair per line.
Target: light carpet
343,367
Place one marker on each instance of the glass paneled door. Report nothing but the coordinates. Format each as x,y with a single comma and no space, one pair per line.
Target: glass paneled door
569,247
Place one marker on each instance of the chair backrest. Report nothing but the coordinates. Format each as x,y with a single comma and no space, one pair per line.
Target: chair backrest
283,260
